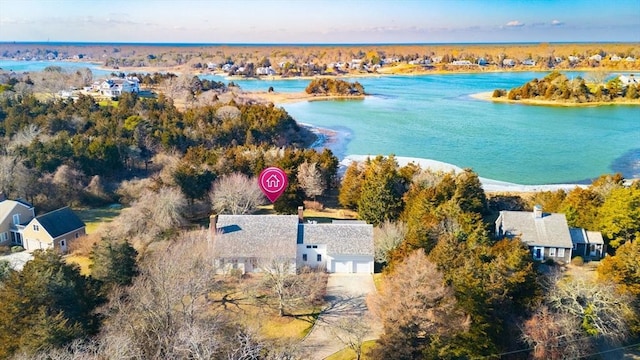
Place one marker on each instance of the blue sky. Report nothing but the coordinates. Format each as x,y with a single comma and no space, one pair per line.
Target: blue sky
344,21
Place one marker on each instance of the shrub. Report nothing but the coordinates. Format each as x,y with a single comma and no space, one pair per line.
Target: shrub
17,248
313,205
4,250
550,262
577,261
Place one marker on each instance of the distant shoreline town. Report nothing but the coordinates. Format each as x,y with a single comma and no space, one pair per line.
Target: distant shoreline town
310,60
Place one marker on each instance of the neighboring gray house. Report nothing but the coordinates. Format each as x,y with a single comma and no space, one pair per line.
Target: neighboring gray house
246,242
546,235
588,244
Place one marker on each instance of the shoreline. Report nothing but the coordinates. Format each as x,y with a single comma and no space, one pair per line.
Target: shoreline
488,96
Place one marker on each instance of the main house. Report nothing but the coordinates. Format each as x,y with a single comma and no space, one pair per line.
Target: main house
548,235
117,86
54,230
250,242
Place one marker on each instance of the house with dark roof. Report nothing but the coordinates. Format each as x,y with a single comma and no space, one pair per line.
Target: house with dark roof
548,235
53,230
249,242
587,244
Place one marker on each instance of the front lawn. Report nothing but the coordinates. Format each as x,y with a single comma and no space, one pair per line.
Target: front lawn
348,354
95,217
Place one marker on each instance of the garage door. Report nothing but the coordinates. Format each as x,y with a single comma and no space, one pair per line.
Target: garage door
343,266
362,267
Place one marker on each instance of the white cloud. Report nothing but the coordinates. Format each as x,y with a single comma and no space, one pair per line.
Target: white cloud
514,23
557,23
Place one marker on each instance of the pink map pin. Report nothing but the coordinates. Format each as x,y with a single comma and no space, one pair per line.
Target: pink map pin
273,182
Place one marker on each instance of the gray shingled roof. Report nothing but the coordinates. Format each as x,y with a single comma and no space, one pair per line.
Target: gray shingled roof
256,236
581,236
60,222
340,238
551,230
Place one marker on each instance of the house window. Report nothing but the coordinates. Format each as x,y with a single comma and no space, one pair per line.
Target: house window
3,237
304,257
61,242
77,235
552,251
575,246
16,219
560,252
36,227
319,257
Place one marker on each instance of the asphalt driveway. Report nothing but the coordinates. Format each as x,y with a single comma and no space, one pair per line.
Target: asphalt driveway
346,298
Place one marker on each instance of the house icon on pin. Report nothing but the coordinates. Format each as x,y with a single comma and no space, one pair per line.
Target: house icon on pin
273,182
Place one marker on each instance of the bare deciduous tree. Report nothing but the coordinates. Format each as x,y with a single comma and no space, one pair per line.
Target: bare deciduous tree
235,194
310,179
351,332
288,289
386,237
575,316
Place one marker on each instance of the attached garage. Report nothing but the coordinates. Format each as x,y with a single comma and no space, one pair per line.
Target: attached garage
351,264
341,266
363,267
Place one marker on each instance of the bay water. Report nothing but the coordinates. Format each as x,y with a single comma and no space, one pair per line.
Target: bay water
434,117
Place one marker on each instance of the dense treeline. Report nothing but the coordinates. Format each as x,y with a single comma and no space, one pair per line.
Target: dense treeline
451,290
327,86
558,87
76,151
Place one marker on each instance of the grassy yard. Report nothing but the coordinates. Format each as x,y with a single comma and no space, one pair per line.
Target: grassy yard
80,260
348,354
94,217
243,301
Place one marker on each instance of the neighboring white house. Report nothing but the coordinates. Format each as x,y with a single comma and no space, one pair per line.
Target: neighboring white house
596,57
587,244
529,62
508,62
118,86
461,62
629,80
249,242
615,57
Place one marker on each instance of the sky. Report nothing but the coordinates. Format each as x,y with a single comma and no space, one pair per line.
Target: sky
329,21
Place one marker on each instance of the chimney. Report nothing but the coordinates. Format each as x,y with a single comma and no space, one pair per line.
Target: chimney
537,212
213,226
300,214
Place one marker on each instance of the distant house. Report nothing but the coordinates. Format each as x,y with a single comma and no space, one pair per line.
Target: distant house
248,242
54,230
509,62
573,59
212,66
629,80
596,57
461,62
529,62
118,86
482,62
546,235
265,70
630,59
615,58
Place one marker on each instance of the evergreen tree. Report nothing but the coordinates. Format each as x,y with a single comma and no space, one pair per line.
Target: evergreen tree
48,303
114,262
351,186
382,190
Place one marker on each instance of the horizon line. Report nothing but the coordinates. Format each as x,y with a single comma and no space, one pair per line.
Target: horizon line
44,42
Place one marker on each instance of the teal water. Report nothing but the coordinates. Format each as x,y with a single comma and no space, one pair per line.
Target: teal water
433,117
31,66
